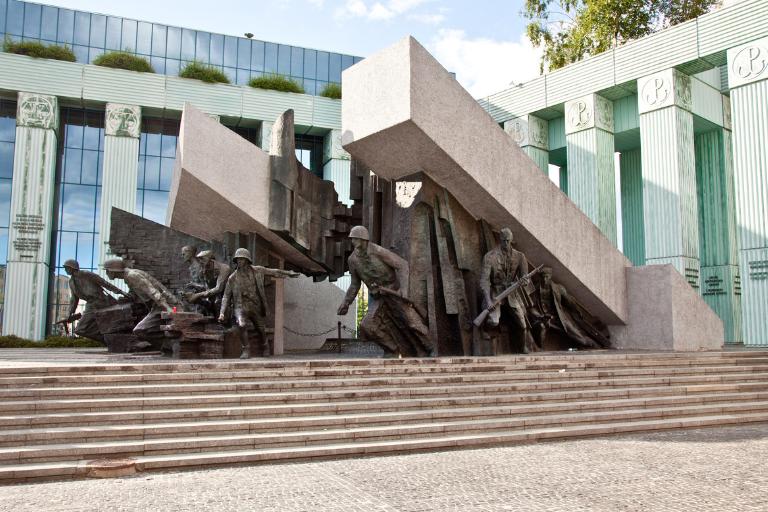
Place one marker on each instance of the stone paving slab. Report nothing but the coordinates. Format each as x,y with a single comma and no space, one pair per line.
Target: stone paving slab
716,469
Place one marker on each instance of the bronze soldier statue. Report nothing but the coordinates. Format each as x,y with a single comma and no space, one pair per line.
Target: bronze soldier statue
244,291
147,290
502,266
214,276
91,288
554,309
195,267
392,321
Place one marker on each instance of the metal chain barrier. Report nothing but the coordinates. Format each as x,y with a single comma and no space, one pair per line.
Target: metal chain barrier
312,335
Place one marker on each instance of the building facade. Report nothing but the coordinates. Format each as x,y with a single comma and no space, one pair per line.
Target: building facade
686,109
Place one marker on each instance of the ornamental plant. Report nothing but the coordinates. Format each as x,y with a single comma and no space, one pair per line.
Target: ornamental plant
204,72
39,50
331,90
123,60
49,342
276,83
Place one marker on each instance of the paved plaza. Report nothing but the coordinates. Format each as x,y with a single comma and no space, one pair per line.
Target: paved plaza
718,469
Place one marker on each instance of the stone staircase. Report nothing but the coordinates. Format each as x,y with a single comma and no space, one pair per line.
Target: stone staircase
98,420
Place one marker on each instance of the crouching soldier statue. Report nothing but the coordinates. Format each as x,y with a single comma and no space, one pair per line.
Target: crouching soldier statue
147,290
91,288
214,276
244,292
392,321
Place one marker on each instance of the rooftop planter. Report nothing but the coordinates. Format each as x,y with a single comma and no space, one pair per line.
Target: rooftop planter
332,91
276,83
204,72
39,50
123,60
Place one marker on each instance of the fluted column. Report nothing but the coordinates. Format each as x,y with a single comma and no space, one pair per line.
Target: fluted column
590,150
670,210
532,135
748,82
122,129
632,206
29,239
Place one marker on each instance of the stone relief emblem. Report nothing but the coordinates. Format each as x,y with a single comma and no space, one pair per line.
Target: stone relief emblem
683,90
604,113
36,111
518,130
656,92
123,121
750,62
332,147
579,115
538,132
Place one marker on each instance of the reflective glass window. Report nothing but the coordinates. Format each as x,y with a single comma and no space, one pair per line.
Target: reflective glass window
310,64
82,28
270,58
154,205
3,8
78,205
284,59
230,51
168,145
297,61
172,67
128,41
89,174
310,86
203,46
257,55
6,159
7,138
157,153
158,40
346,61
5,208
174,43
231,74
158,64
14,23
66,29
81,53
98,30
92,137
217,49
187,44
144,38
243,53
243,75
114,30
334,68
32,16
93,53
322,65
358,59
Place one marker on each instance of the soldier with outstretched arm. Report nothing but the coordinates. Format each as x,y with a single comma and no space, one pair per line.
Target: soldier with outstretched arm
392,321
91,288
244,291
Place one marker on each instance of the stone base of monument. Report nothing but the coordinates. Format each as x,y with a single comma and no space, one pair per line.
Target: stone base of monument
353,346
127,343
196,336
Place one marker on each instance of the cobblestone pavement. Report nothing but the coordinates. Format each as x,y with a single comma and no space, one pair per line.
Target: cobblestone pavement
719,469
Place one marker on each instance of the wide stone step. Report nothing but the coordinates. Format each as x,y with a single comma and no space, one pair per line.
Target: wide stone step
176,461
437,394
494,382
473,371
207,426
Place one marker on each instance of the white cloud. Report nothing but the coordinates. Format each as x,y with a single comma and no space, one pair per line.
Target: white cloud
316,3
378,11
427,19
485,66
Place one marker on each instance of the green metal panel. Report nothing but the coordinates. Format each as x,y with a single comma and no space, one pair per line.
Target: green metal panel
326,112
632,206
580,79
539,156
707,101
556,133
591,177
121,86
663,50
737,24
564,179
221,99
517,100
670,207
625,116
44,76
754,299
721,289
268,105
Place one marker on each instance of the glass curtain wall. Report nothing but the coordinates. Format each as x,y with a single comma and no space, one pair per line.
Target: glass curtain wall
157,154
78,201
170,48
7,140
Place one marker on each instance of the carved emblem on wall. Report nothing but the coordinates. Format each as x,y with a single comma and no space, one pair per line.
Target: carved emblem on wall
604,113
37,111
518,129
123,121
538,131
579,115
656,92
332,148
750,62
683,90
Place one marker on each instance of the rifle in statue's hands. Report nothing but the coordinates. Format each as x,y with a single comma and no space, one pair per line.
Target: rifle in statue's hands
503,295
70,319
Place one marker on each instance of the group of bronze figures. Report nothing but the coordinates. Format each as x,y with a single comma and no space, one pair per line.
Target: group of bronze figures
233,297
526,307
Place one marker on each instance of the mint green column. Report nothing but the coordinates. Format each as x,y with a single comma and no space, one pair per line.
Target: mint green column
590,150
336,168
564,179
633,229
720,279
531,133
31,222
748,82
670,210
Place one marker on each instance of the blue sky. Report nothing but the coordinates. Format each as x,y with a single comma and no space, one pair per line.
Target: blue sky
482,41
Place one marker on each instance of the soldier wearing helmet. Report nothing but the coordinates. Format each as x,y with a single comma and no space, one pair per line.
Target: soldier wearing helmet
91,288
147,290
392,321
244,291
214,277
502,266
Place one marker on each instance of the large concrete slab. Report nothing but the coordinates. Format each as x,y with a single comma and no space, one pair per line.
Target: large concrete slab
402,112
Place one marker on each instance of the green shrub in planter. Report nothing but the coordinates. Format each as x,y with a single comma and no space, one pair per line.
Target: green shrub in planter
123,60
204,72
49,342
276,83
331,91
39,50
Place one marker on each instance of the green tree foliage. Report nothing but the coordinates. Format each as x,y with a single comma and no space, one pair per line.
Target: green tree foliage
332,90
39,50
276,83
49,342
569,30
123,60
